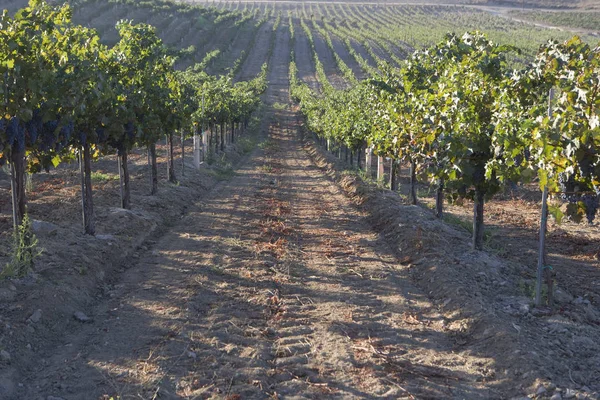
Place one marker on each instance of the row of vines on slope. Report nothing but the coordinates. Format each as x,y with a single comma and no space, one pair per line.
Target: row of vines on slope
470,124
64,94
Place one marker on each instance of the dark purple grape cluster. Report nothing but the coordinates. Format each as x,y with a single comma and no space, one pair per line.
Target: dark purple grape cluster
130,129
575,192
590,202
101,133
586,166
35,126
567,185
65,134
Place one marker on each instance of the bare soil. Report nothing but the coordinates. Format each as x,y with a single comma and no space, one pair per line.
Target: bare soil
326,57
304,60
258,54
343,53
360,49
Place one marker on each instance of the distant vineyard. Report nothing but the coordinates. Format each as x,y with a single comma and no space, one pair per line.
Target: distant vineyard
584,20
505,3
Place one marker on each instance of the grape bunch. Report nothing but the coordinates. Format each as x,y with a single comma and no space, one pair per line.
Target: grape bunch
82,137
12,130
101,133
34,126
48,135
586,166
520,158
567,186
590,202
129,130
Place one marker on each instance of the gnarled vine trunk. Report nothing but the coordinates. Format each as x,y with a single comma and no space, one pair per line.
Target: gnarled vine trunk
222,137
478,219
394,172
413,183
17,183
439,199
124,178
153,169
214,136
87,201
171,159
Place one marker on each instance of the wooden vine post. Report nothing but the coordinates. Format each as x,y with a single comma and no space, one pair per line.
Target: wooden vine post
197,139
394,173
197,148
368,159
380,168
87,203
541,266
182,153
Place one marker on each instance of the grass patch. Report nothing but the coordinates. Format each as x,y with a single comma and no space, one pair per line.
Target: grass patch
458,222
223,170
489,233
280,106
527,288
101,177
424,192
246,144
369,177
268,145
235,243
23,253
266,168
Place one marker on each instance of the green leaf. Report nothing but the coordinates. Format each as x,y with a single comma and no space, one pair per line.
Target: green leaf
575,212
527,174
543,176
556,213
55,161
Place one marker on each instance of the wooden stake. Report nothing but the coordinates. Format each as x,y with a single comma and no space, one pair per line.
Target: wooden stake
543,228
542,248
380,168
